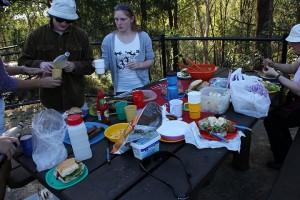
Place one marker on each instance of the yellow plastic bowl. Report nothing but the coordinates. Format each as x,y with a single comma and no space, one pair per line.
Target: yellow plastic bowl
113,131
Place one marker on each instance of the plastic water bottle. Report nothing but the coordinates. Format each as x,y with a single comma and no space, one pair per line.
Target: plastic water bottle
15,131
61,60
172,89
79,138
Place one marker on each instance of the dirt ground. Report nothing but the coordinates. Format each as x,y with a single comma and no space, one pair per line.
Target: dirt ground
228,184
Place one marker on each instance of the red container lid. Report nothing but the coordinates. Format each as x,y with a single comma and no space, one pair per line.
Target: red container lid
74,120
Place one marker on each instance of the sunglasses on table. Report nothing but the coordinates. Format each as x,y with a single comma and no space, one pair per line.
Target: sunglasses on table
60,20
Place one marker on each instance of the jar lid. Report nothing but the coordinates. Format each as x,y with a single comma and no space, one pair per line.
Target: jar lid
74,120
171,73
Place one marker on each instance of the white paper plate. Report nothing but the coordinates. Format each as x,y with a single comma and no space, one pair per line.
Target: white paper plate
173,130
149,95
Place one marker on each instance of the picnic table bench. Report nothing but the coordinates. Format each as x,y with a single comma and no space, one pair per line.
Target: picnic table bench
287,184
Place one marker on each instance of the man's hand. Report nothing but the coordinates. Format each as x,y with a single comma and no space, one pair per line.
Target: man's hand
69,67
47,66
8,145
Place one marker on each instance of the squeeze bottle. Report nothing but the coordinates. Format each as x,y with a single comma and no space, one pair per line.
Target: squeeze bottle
79,138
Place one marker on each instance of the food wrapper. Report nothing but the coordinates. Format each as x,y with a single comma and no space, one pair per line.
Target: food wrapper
149,119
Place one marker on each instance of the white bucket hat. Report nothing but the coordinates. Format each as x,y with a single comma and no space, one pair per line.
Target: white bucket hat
65,9
294,35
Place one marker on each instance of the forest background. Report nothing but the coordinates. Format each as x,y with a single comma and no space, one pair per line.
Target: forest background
173,18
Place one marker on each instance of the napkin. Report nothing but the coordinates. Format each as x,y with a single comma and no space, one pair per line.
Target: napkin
193,137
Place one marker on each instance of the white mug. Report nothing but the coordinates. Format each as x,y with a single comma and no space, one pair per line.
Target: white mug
176,107
99,66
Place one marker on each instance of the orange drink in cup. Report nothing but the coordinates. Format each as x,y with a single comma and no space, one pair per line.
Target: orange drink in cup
56,72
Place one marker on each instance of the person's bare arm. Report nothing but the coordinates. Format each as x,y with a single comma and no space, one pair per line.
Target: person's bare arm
23,70
46,82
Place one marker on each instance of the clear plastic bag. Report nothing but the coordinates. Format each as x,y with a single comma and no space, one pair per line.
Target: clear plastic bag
48,130
148,120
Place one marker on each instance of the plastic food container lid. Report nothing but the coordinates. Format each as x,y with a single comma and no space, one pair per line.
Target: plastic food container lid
144,142
74,120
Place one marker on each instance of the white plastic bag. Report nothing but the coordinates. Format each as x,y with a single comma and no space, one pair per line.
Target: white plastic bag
248,95
48,130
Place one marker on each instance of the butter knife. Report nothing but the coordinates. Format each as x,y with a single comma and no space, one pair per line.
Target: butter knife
219,137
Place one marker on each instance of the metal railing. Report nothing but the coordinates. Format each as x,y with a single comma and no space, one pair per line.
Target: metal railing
162,41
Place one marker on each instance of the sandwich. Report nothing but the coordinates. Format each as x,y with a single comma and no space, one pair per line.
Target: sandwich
74,111
197,85
68,170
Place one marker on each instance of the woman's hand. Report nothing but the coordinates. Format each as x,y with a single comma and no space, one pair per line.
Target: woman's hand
50,82
31,70
8,145
268,62
269,71
133,65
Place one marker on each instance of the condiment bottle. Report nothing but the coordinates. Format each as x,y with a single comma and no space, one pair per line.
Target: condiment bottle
102,108
172,89
78,137
15,131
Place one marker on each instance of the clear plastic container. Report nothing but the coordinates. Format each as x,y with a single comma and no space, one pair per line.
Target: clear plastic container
79,138
215,99
146,146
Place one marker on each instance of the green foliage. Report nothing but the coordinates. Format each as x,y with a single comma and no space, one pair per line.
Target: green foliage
194,19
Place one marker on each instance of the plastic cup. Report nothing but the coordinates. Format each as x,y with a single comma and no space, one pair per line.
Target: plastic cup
194,115
194,97
138,98
120,108
26,143
56,72
176,107
130,112
99,66
194,110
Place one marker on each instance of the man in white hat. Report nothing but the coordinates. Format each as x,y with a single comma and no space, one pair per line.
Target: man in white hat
49,41
279,120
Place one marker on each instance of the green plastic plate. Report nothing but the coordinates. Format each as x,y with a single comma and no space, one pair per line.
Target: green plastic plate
58,185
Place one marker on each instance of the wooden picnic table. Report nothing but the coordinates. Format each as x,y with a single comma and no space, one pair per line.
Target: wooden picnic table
123,178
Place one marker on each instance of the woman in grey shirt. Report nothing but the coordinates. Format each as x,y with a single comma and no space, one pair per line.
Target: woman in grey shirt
127,52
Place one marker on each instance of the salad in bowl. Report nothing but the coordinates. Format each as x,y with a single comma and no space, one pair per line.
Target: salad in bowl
216,125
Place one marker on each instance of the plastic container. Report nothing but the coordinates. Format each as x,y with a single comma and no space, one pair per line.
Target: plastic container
146,146
78,137
215,99
172,88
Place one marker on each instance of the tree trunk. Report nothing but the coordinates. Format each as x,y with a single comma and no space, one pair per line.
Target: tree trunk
264,26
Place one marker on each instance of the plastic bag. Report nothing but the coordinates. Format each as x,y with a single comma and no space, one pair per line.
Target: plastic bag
48,131
148,120
248,95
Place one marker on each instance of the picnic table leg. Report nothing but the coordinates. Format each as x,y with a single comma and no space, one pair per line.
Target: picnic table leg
241,160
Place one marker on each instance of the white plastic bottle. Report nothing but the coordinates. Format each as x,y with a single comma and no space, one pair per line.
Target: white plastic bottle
79,138
15,131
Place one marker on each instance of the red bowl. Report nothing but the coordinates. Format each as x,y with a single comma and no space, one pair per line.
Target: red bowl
202,71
